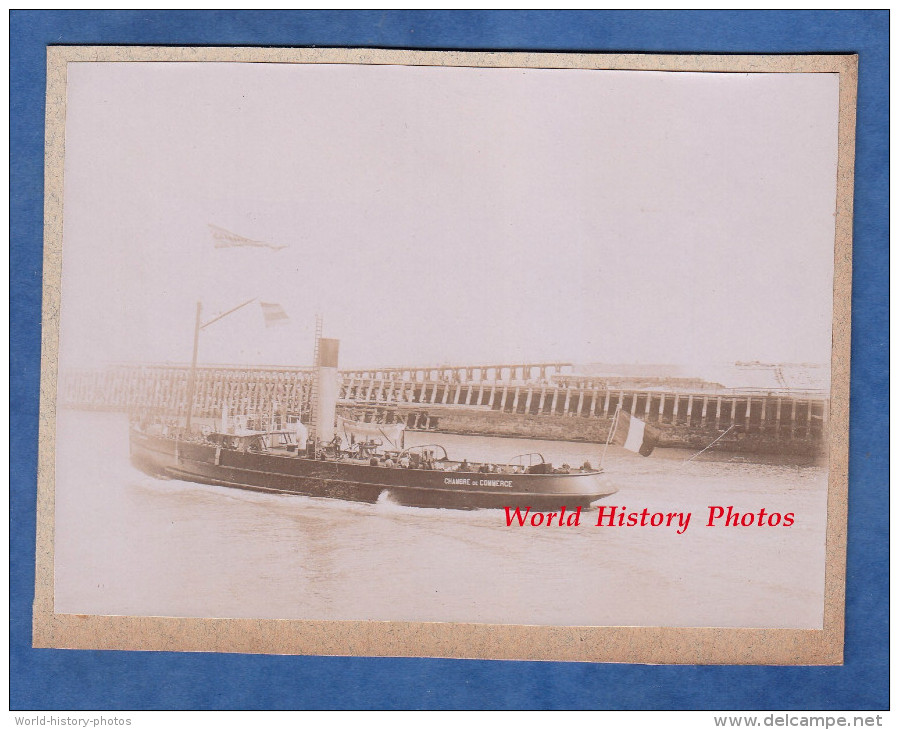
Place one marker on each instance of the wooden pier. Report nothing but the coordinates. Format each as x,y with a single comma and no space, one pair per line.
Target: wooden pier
538,400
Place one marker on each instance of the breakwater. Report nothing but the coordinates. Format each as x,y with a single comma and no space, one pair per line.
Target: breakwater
542,400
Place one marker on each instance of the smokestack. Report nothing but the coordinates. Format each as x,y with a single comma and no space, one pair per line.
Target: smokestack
326,413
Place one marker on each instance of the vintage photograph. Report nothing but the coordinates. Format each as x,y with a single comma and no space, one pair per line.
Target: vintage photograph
432,343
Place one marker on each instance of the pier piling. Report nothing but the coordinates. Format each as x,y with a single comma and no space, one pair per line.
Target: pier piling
535,401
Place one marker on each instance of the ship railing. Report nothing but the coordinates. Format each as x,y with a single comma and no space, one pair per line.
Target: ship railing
531,459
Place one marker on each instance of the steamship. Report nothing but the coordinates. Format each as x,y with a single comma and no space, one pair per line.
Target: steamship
328,464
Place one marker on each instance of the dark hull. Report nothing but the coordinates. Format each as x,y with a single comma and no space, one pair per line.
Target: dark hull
208,464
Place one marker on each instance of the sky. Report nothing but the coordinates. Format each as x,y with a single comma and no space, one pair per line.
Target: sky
448,215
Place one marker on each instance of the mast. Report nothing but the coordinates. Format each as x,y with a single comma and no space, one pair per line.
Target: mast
192,375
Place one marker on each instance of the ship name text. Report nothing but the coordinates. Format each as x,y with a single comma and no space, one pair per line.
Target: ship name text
469,482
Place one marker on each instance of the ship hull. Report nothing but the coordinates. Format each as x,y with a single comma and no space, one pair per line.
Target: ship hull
208,464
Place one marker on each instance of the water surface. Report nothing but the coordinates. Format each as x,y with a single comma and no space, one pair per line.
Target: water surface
130,544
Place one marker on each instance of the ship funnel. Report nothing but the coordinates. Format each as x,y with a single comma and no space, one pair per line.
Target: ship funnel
326,408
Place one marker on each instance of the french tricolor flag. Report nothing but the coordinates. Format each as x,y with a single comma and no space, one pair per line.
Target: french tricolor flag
633,434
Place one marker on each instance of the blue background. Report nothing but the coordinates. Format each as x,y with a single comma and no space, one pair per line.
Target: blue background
93,680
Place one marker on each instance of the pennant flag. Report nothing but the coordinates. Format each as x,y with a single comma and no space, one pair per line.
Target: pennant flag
225,239
273,314
633,434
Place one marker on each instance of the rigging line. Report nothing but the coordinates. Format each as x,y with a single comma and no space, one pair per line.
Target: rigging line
711,444
612,428
222,316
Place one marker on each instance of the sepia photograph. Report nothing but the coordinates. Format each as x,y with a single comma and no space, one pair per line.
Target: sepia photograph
402,339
